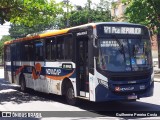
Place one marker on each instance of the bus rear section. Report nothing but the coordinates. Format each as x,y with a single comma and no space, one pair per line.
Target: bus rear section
123,63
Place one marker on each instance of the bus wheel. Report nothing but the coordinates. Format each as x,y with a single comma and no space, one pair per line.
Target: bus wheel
22,84
70,97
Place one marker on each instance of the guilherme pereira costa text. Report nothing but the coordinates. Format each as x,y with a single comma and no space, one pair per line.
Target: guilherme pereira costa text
135,114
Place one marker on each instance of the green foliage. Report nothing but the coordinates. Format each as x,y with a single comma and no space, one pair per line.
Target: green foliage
17,31
82,15
29,16
146,12
3,39
29,12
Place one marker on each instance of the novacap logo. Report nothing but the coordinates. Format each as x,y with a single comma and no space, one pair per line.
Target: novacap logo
36,71
118,89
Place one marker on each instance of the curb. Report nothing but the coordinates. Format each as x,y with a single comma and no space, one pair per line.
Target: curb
156,79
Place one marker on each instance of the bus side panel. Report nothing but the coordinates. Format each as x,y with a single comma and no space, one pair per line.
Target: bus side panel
25,68
101,86
55,75
7,63
45,77
7,74
91,87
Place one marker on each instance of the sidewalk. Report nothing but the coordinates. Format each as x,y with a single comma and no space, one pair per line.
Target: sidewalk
156,73
1,73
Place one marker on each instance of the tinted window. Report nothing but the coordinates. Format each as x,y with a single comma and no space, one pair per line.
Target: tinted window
60,48
18,51
39,54
68,52
28,51
7,53
13,50
51,49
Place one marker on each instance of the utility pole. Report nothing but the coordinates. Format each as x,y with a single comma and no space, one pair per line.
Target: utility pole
89,10
67,3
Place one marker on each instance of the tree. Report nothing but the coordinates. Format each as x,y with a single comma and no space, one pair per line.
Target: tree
3,39
146,12
29,16
29,12
82,15
17,31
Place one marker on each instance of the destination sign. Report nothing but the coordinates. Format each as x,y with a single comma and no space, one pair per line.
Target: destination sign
122,30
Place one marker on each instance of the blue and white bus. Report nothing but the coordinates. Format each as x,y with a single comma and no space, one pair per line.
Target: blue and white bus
97,62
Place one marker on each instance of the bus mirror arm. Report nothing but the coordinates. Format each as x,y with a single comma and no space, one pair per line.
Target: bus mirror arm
95,42
95,45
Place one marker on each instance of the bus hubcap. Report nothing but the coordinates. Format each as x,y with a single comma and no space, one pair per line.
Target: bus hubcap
70,93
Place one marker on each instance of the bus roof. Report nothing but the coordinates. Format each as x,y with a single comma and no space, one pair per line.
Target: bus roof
48,34
63,31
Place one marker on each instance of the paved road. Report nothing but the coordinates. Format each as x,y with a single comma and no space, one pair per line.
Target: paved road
11,99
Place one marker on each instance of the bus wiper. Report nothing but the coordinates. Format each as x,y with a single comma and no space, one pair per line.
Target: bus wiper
120,45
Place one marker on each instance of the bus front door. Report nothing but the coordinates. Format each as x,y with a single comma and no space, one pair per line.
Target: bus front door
82,65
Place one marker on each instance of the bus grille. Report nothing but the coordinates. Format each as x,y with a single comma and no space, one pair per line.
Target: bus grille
130,93
119,78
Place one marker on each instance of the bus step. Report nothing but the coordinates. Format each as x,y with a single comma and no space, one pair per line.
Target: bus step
83,97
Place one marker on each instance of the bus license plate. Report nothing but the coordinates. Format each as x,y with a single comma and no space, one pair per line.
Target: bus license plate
132,97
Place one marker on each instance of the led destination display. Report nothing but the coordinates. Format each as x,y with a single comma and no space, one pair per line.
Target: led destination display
122,30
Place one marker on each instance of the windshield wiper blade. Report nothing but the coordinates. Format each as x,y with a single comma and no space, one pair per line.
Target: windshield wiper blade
122,51
120,45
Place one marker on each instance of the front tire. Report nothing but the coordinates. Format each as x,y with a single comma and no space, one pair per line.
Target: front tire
22,84
70,96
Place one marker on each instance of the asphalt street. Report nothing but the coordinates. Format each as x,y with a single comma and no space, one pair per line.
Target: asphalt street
54,107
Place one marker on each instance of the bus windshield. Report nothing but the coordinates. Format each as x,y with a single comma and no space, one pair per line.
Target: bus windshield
120,55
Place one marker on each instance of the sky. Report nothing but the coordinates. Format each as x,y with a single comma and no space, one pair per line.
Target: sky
5,28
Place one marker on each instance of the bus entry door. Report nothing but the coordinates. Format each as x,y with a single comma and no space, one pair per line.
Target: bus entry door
82,65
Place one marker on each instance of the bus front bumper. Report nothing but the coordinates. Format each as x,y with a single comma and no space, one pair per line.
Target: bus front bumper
104,94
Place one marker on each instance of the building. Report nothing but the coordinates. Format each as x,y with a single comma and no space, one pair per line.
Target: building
117,11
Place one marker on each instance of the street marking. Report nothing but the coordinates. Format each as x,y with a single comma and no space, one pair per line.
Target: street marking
157,79
8,90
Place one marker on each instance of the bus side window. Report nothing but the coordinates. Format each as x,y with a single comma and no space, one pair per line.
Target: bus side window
8,53
60,48
39,51
48,50
68,46
29,51
13,52
64,47
18,52
51,49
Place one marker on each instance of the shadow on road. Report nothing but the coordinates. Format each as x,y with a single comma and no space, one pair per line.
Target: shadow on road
11,93
110,108
101,109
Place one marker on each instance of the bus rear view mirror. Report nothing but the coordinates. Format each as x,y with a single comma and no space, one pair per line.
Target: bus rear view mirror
95,42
